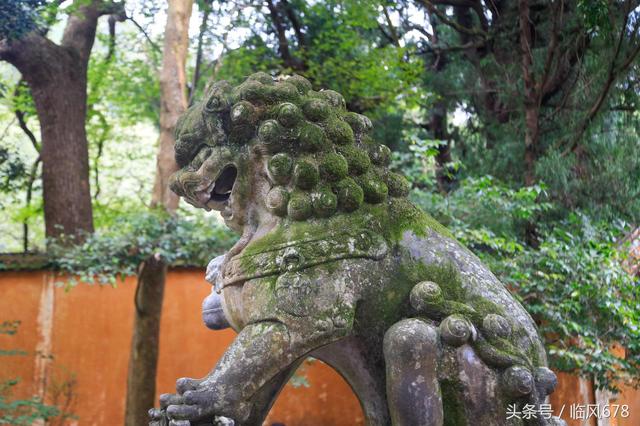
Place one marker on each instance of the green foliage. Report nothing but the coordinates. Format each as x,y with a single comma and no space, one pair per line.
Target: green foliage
587,122
585,302
595,14
18,17
573,284
346,55
117,250
12,170
609,171
125,87
473,206
252,56
20,412
343,50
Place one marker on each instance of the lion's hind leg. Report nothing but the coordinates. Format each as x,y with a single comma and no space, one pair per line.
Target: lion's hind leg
413,390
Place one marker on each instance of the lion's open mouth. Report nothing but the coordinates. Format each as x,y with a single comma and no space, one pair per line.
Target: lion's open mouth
224,184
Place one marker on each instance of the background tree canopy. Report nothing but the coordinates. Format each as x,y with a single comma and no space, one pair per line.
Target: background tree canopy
516,121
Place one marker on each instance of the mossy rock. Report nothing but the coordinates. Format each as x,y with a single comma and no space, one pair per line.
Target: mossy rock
312,138
289,115
380,154
300,206
311,143
358,122
333,167
270,131
279,167
243,113
283,91
216,103
334,98
250,90
398,185
350,195
305,174
261,77
325,202
375,190
339,132
277,200
316,109
357,159
302,84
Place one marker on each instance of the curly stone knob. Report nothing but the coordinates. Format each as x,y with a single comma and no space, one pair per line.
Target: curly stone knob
455,330
277,200
496,326
426,298
518,381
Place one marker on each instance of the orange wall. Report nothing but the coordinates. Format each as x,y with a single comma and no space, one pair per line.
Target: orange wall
82,336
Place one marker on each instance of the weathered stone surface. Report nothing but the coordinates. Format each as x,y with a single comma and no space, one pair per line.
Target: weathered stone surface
335,262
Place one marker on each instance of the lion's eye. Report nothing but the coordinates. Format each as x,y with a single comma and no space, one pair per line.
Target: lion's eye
215,104
200,157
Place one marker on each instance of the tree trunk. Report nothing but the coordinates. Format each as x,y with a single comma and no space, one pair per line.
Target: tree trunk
531,102
531,112
173,97
141,381
437,123
61,105
445,174
143,359
57,77
531,137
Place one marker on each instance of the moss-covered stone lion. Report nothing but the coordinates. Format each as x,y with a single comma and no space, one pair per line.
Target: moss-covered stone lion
336,263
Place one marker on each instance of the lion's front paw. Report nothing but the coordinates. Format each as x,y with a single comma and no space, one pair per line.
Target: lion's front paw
193,405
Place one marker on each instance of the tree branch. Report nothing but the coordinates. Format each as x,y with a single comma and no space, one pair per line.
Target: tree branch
27,53
612,75
392,30
196,72
445,20
23,125
79,32
22,122
295,23
283,43
551,49
153,45
25,223
119,17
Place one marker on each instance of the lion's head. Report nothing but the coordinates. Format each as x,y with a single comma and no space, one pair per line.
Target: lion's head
275,149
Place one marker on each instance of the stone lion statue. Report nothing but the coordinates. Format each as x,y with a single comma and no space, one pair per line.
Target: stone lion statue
336,263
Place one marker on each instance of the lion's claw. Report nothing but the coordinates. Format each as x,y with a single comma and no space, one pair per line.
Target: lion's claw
201,397
186,384
185,412
167,399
